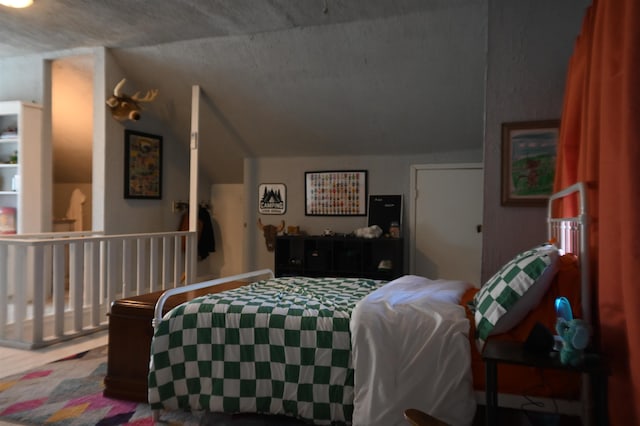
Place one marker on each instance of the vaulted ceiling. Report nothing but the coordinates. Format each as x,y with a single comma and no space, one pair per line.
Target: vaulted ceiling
286,77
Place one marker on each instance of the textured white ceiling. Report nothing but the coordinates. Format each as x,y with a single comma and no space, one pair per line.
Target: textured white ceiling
286,77
62,24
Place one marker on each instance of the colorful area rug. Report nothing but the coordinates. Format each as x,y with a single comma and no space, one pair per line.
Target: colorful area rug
69,392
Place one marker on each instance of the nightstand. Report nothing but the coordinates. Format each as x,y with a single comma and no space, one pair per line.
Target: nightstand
509,352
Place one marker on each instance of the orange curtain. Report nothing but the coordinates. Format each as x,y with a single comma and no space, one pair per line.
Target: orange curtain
600,144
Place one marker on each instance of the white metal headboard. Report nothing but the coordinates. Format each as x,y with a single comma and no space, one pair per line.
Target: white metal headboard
571,236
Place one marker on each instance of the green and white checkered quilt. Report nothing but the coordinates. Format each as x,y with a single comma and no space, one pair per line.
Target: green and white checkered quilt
279,346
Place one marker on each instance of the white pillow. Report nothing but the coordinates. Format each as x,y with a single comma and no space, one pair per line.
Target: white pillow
512,292
408,289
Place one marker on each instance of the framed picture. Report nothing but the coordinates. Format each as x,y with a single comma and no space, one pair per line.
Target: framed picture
336,193
142,165
272,198
528,162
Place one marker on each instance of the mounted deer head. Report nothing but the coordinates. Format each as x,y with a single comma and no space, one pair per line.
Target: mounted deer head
270,232
125,107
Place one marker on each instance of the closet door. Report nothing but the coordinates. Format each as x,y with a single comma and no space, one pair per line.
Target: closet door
446,220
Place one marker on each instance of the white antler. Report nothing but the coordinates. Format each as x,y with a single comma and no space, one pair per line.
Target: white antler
118,88
151,95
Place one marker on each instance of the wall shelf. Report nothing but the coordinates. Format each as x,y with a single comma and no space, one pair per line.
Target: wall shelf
28,172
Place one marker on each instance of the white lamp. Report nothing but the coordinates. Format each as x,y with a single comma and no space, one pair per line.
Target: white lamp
18,4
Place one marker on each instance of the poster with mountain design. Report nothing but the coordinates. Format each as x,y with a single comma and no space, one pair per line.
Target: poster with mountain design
273,198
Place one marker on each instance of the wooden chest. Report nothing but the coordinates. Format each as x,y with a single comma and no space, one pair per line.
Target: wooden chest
130,333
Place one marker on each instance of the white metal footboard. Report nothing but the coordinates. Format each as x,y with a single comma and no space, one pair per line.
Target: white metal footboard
157,317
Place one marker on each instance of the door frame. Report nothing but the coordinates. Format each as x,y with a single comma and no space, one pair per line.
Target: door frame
413,191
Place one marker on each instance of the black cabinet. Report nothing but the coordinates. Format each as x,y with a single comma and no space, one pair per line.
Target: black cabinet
315,256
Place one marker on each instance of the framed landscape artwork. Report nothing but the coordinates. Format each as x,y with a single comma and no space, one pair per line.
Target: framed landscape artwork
528,161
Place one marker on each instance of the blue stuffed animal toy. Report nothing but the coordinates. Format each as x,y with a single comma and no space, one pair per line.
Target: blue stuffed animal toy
575,338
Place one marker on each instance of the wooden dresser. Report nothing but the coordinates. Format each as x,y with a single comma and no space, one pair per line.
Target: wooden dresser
130,333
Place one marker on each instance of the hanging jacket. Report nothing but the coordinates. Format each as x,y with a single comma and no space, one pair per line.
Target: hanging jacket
206,240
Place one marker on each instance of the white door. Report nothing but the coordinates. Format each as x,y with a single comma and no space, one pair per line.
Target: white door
446,222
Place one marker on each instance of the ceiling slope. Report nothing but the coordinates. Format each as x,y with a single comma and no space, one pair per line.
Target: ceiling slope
286,77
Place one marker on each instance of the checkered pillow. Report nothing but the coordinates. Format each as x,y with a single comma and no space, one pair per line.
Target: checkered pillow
513,291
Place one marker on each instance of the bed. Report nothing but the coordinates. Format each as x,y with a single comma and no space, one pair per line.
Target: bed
529,387
333,350
284,346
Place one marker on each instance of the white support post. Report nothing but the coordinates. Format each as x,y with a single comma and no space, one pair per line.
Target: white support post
76,287
47,266
127,270
20,298
92,257
58,289
108,264
166,271
177,265
141,265
4,284
86,272
154,264
193,184
35,276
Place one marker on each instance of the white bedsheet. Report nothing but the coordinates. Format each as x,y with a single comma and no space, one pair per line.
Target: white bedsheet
411,350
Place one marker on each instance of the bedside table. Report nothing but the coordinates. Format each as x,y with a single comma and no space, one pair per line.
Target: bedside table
509,352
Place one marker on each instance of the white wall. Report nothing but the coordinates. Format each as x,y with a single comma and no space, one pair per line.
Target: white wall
122,215
26,78
72,118
72,133
386,176
530,42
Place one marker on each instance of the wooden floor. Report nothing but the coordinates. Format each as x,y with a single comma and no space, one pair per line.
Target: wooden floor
14,361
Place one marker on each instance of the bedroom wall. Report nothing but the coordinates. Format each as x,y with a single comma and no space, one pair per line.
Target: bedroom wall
26,78
530,42
227,220
386,175
72,134
123,216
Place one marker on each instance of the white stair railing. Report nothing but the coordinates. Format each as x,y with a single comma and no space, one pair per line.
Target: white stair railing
57,286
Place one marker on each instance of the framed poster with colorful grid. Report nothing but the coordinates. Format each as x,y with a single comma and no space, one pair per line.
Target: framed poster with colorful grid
336,193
